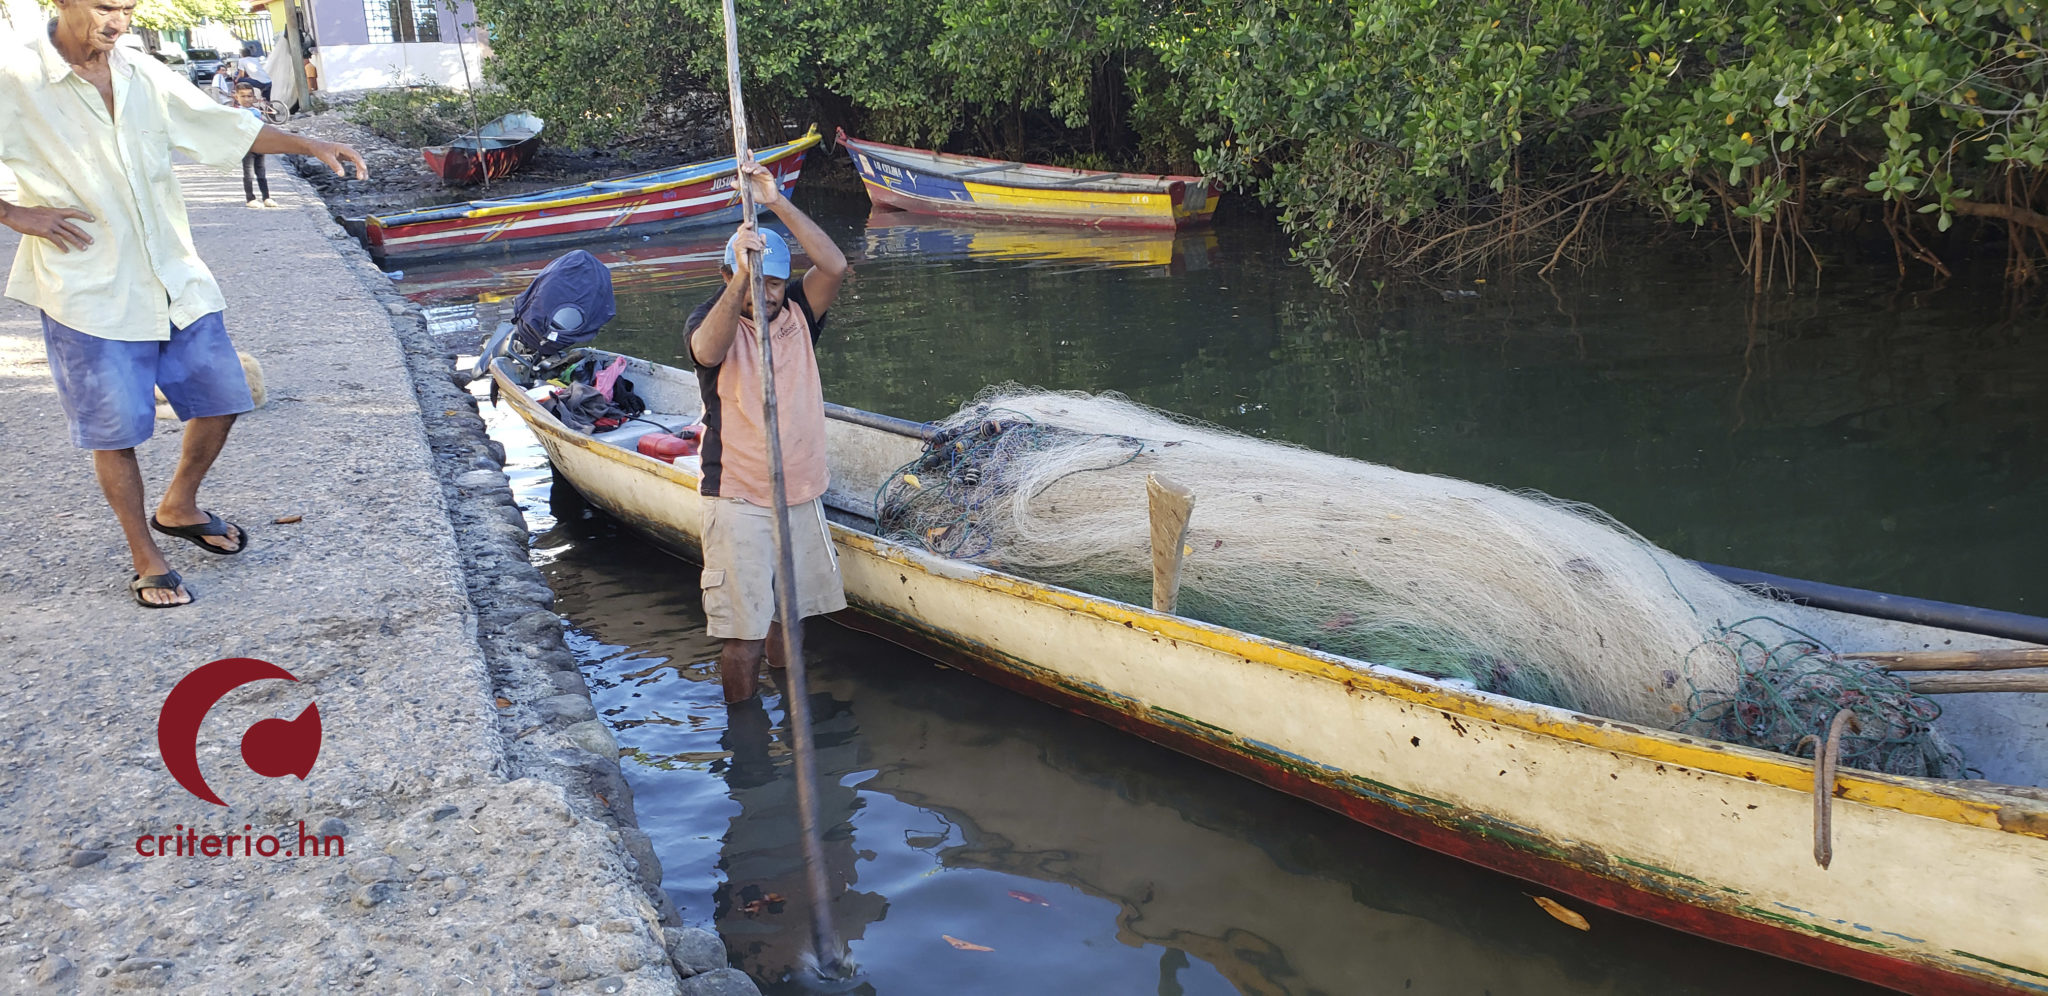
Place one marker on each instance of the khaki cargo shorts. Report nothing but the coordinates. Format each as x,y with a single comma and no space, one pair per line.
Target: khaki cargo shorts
739,566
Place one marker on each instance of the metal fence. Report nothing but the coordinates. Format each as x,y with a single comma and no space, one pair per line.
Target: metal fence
256,28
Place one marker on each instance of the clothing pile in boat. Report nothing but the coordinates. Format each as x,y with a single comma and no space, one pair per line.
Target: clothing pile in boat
593,398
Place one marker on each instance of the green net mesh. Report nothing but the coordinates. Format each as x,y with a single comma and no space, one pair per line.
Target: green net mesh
1792,686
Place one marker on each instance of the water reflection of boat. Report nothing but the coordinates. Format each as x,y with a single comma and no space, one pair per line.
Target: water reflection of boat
1278,899
1926,894
892,234
641,267
638,269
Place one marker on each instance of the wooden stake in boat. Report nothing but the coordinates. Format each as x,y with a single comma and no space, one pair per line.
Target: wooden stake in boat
1171,504
825,940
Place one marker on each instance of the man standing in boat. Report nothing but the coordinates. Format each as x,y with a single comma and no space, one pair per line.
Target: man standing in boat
88,128
739,524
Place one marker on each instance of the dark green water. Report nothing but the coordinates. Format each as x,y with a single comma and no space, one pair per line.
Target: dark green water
1857,434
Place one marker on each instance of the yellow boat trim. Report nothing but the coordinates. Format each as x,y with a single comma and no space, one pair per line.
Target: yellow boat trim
1884,791
1070,201
1916,797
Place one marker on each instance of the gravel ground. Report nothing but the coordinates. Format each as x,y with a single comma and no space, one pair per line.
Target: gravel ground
489,839
692,131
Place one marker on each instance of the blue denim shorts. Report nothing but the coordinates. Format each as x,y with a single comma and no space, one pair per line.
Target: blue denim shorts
108,386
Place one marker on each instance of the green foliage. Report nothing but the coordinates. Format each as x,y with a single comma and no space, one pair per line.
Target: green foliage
428,115
156,15
591,69
1400,110
917,73
1428,132
162,15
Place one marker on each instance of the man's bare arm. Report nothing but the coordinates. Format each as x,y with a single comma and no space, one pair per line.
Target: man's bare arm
53,224
828,264
271,141
714,335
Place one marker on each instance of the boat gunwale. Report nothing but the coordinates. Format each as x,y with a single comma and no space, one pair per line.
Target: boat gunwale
1905,794
1147,183
485,134
650,182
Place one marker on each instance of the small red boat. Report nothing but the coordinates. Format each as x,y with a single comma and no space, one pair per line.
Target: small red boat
498,149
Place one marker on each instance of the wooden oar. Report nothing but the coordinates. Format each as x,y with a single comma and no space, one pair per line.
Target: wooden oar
825,940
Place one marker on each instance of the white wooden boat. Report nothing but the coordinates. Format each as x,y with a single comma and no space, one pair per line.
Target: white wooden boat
1935,886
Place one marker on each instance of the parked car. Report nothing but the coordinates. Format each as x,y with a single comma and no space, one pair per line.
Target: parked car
136,45
201,64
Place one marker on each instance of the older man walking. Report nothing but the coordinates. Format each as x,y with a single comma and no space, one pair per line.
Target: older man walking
128,308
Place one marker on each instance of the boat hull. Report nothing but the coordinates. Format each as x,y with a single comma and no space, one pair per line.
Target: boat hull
1932,886
897,186
460,164
1470,838
682,198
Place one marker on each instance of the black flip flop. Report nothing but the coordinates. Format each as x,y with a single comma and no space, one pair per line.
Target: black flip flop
213,526
168,580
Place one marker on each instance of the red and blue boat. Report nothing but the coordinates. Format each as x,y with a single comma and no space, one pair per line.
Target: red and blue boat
676,197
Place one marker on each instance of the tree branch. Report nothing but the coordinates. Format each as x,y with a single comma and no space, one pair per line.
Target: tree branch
2012,213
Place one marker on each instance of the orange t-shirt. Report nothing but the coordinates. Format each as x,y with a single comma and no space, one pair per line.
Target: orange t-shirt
735,450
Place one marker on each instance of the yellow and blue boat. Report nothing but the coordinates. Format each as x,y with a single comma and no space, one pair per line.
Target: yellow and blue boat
955,186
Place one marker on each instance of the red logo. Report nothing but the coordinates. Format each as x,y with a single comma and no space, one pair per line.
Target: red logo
272,748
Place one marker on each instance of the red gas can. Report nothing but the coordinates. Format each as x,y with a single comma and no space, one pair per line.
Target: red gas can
666,447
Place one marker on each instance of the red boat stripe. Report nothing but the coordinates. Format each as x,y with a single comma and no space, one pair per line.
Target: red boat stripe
464,231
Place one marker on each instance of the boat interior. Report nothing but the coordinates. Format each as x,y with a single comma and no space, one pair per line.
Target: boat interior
2004,736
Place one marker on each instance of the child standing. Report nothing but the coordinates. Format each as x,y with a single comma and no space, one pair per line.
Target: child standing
252,164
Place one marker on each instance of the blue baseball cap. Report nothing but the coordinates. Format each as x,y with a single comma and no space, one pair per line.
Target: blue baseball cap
774,255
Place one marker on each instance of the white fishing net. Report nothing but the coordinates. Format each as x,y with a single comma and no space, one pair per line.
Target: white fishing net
1517,593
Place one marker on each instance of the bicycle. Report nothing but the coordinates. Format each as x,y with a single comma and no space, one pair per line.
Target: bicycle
271,111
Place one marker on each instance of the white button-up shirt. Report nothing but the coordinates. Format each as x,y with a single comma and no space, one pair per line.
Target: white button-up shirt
141,274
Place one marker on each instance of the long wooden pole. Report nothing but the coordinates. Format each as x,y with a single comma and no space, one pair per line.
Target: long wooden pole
1950,684
295,43
824,938
1954,660
476,128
